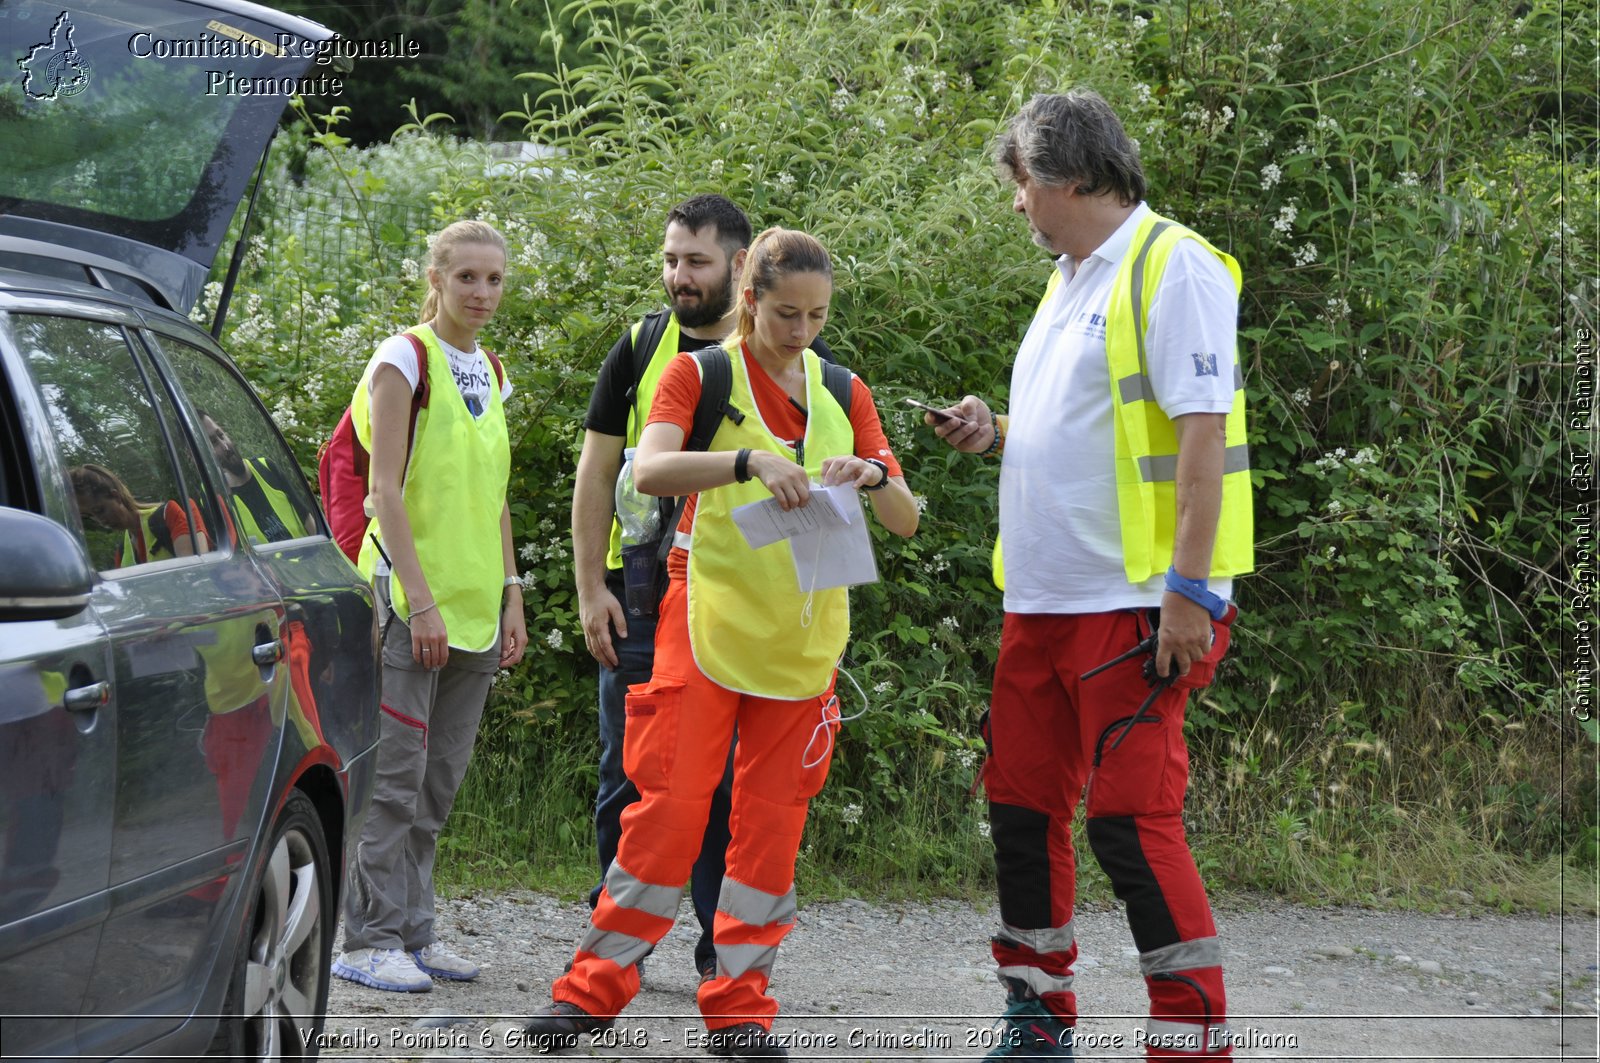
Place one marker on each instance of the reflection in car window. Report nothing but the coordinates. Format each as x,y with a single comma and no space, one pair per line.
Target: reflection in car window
270,500
128,493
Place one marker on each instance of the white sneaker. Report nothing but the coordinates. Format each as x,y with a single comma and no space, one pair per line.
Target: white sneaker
388,969
439,961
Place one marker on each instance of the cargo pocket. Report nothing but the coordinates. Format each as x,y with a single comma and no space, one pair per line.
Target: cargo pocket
650,736
1146,774
818,754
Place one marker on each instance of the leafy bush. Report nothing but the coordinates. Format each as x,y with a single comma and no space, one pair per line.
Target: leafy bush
1390,183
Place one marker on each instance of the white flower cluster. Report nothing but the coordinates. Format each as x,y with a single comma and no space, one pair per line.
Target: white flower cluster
1331,460
850,814
283,414
556,639
1409,179
950,623
1286,216
1305,254
1207,121
967,758
1302,397
1271,174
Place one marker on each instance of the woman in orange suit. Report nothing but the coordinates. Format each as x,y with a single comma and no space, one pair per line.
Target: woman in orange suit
739,647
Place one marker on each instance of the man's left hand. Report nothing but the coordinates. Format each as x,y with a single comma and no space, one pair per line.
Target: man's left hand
1185,636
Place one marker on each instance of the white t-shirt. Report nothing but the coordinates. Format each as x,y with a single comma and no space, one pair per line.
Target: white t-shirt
1058,487
471,369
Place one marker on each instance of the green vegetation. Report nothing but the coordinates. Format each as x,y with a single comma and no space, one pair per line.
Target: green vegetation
1389,726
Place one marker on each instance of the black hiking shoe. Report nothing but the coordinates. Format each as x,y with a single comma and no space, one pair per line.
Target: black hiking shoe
748,1040
557,1027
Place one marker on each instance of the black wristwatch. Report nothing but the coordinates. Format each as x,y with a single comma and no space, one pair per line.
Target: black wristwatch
883,481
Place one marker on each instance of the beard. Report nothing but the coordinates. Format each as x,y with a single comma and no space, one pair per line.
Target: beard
233,465
711,307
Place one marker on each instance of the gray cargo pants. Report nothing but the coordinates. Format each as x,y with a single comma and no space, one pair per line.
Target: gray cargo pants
429,722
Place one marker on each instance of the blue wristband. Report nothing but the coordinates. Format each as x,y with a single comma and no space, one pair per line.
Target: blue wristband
1195,590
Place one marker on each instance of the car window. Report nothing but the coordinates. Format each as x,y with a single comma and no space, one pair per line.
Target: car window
134,506
271,502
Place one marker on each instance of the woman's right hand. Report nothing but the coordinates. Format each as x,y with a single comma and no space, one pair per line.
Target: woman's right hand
786,480
430,644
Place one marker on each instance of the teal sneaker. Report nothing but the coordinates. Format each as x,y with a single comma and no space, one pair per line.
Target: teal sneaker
1028,1031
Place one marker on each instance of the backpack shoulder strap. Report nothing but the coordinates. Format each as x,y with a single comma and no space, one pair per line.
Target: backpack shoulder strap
838,380
499,370
716,387
645,341
419,398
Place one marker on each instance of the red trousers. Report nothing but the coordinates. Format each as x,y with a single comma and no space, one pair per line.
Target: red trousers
1053,737
675,746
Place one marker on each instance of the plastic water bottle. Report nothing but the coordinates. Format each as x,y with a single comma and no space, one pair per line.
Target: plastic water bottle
640,518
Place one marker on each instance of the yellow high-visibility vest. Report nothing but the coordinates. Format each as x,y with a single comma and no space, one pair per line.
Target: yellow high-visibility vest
251,530
454,491
1146,440
644,394
745,605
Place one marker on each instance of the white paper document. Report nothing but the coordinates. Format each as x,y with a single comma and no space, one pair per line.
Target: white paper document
827,537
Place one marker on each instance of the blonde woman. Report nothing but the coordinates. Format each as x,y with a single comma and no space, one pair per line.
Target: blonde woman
439,549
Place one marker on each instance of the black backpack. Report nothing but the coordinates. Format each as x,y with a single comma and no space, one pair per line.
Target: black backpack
716,391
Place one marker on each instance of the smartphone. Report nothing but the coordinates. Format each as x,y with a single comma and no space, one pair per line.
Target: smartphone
938,415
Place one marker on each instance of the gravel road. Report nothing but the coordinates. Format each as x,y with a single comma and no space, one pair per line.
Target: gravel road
866,982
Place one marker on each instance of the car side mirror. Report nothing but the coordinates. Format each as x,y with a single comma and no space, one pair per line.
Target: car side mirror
44,572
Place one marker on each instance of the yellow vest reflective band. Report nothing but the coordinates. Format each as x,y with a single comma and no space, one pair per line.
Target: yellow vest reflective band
644,394
454,491
1146,441
745,605
279,502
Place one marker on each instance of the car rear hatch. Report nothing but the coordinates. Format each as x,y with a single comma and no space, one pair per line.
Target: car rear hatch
131,129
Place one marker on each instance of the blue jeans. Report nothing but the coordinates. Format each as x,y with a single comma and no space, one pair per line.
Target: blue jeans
635,659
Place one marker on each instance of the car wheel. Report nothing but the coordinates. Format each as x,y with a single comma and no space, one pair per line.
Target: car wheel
278,991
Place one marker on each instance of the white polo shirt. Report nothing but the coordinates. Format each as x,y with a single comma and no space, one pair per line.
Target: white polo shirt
1061,536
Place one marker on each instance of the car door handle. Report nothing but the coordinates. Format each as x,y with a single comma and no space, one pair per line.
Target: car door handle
268,653
87,698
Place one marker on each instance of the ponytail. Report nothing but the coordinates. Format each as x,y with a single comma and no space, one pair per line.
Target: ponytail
443,245
776,253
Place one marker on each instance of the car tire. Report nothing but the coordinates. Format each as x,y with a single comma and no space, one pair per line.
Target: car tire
278,988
